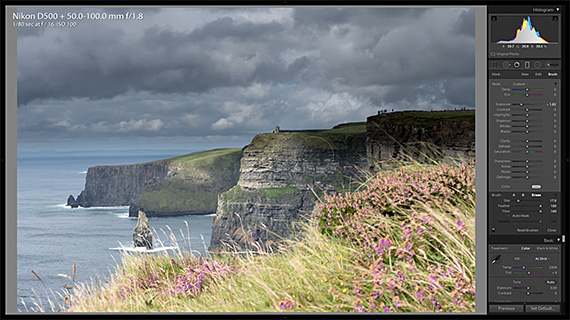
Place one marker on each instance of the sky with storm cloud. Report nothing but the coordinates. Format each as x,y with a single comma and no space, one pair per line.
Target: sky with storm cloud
217,76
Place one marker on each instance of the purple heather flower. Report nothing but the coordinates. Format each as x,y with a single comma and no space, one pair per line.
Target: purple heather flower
360,309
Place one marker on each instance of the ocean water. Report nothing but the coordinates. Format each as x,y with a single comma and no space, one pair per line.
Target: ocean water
53,237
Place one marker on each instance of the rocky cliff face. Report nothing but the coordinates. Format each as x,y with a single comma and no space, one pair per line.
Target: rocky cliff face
441,135
279,171
248,218
119,185
278,174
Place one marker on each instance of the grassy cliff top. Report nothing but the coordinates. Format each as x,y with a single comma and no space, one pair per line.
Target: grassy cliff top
424,118
204,158
340,137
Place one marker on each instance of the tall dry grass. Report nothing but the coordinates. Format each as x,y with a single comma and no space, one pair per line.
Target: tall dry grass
404,242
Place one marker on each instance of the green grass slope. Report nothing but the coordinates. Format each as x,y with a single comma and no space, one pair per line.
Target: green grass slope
194,182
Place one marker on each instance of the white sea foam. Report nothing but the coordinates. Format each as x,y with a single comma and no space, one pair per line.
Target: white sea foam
122,215
120,209
107,208
142,249
210,215
83,172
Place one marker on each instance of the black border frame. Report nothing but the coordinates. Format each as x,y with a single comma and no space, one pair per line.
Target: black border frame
565,41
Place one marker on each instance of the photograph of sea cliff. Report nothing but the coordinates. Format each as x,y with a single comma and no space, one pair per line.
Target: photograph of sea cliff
248,160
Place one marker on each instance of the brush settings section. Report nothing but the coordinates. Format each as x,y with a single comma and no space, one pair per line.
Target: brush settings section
525,236
524,141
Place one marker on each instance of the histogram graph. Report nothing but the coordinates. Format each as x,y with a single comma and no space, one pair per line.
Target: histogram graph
524,29
527,33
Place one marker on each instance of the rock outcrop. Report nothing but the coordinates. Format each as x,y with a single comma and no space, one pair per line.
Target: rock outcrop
142,235
72,202
279,176
438,135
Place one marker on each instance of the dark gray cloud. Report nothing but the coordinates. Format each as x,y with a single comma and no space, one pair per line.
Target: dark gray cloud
222,73
378,20
228,28
465,24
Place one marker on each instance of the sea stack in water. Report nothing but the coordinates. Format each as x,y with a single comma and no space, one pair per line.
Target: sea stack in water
72,202
142,237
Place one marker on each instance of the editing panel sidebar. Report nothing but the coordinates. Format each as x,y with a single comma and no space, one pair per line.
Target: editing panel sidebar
526,214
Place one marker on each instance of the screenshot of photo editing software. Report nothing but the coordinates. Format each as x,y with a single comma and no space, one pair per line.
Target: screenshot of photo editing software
286,159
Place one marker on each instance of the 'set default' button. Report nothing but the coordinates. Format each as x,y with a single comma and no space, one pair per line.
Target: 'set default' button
547,308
